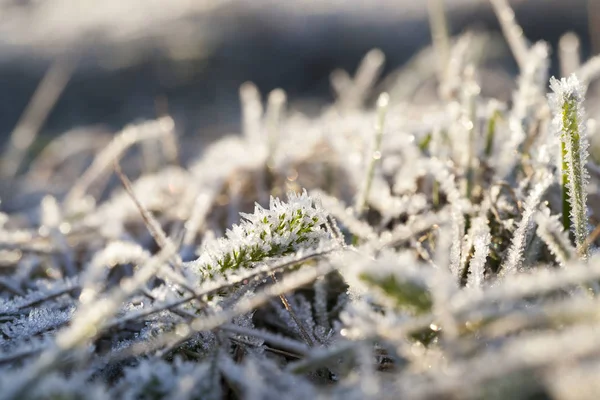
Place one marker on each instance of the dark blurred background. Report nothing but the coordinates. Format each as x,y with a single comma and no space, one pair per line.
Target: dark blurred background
138,58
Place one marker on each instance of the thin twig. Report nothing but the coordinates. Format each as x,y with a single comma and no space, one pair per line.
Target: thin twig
303,332
590,239
130,135
153,226
282,342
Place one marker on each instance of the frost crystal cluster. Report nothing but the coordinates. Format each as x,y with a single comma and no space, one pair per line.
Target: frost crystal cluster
435,242
284,228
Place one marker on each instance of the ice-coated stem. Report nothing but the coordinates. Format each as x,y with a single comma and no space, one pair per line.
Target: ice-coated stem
567,105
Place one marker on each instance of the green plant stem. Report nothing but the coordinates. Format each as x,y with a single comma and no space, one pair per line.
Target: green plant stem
491,133
424,143
573,182
566,205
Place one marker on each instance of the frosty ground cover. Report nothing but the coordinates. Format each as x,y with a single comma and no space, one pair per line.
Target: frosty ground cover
381,249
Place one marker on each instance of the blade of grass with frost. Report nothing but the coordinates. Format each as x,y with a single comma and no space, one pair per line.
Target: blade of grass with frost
391,207
515,252
567,105
458,231
94,276
367,73
569,53
442,174
275,107
252,112
414,226
438,25
443,288
343,214
479,238
589,71
552,233
40,105
282,229
537,283
198,216
353,92
51,221
477,264
320,302
130,135
459,57
382,107
512,31
469,96
458,206
527,100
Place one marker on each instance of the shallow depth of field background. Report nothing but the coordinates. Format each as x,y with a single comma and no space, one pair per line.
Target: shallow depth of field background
139,58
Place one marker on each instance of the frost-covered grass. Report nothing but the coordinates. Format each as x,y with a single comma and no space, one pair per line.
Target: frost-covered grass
395,251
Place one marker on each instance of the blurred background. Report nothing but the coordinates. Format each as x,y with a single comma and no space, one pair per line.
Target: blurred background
126,61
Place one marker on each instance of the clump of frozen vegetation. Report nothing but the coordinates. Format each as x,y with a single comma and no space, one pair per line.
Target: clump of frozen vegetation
436,251
285,228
